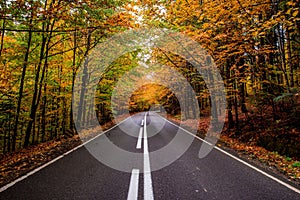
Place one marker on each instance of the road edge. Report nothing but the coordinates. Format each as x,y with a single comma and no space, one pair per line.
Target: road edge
5,187
293,188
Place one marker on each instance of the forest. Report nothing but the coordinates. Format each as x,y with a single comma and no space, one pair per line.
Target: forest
254,44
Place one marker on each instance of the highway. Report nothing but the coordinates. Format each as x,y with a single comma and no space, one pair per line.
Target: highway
219,176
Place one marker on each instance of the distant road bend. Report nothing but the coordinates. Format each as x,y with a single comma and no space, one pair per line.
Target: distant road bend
220,175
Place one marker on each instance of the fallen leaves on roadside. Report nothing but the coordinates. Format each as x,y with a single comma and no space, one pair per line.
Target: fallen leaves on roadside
282,163
290,167
19,163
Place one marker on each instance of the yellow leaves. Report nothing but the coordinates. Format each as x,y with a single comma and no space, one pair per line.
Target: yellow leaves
220,36
206,25
150,93
201,18
203,35
9,39
121,19
295,13
291,3
262,34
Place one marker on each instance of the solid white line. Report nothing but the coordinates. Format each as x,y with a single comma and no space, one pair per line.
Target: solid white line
148,190
240,160
134,185
57,158
260,171
139,142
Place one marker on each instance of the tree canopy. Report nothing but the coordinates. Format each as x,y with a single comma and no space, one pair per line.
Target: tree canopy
255,45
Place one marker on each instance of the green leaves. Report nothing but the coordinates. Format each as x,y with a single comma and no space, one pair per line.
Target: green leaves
296,164
58,33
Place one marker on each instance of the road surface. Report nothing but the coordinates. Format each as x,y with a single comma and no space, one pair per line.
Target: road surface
79,175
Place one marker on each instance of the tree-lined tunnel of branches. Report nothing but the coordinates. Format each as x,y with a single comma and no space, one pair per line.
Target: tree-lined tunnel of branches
255,45
154,97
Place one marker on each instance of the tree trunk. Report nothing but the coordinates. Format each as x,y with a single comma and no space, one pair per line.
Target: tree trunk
289,53
38,84
81,108
282,54
25,63
34,102
229,99
2,37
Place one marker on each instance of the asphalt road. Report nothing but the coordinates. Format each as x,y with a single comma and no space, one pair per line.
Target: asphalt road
79,175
